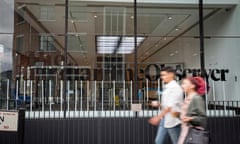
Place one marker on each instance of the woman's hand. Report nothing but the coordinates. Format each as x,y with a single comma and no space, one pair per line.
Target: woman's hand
187,119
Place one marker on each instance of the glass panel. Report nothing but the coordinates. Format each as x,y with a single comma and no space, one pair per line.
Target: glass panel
38,54
96,65
222,60
6,50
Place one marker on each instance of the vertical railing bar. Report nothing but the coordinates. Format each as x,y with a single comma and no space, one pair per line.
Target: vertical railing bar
229,108
81,94
206,94
131,94
159,91
213,88
114,99
95,96
42,95
31,95
50,95
76,92
237,105
61,95
233,108
124,94
24,91
7,94
147,93
215,107
144,97
224,97
68,96
102,96
87,95
16,94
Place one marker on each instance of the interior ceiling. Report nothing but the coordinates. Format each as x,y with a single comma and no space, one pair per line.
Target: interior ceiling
160,26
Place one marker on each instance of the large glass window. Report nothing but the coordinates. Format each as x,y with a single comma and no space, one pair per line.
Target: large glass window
47,12
47,43
81,55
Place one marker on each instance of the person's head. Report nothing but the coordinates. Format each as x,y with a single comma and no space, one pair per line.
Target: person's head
167,74
194,84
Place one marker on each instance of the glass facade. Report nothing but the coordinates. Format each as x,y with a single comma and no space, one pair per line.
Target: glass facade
99,55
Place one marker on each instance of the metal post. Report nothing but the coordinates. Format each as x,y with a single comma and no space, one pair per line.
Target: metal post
7,94
42,95
76,93
68,95
201,34
102,96
135,51
131,98
61,95
114,99
65,54
124,94
95,96
147,91
81,94
16,94
87,95
24,92
50,96
31,95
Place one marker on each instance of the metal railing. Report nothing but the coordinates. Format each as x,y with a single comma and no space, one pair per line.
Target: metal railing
49,99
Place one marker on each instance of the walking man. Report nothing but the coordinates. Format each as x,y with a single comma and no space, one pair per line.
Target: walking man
172,98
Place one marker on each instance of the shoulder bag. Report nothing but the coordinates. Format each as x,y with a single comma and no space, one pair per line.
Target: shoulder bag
197,136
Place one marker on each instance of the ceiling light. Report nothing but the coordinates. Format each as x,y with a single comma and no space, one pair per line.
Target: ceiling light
171,54
21,6
72,21
169,17
177,29
95,16
107,44
132,17
164,38
176,52
195,54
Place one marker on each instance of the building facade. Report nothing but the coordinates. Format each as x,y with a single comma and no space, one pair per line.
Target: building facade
80,56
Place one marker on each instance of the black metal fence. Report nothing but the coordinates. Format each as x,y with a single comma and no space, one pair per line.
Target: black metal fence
223,130
118,129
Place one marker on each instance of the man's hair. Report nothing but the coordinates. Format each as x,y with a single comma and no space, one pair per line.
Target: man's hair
168,69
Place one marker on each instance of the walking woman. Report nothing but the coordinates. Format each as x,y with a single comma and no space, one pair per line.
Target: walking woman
193,109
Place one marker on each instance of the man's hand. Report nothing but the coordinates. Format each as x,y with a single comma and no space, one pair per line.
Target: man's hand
155,104
155,120
175,114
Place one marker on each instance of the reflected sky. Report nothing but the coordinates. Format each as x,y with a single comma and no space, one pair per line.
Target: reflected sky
6,22
6,40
